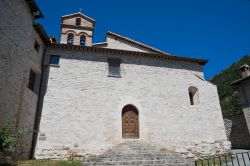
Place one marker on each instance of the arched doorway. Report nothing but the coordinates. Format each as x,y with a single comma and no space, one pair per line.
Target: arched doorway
130,122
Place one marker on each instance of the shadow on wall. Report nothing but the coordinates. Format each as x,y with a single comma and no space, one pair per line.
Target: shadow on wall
237,131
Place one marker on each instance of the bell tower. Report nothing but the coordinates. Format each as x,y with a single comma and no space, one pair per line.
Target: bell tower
77,29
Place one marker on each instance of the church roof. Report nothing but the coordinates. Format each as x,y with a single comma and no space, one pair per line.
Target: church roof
79,14
129,53
136,43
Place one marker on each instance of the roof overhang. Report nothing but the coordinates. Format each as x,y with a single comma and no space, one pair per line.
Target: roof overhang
238,82
102,44
42,33
129,53
36,12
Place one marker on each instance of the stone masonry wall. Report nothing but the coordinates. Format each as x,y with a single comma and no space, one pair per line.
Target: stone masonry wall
246,112
244,89
82,106
237,131
17,57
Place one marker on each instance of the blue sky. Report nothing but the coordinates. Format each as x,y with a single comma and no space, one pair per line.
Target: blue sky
217,30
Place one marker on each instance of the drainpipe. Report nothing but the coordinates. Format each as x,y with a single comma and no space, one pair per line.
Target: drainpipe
39,105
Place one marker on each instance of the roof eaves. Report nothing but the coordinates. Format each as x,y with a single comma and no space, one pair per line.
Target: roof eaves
42,33
34,9
127,52
237,82
100,44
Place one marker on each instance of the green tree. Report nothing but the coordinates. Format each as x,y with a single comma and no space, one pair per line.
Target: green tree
229,97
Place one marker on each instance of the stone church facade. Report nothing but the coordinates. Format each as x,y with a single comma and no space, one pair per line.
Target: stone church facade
93,96
99,96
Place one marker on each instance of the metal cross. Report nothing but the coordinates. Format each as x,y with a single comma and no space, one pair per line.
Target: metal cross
80,9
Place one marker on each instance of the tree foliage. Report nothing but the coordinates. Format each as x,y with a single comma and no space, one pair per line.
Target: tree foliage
229,97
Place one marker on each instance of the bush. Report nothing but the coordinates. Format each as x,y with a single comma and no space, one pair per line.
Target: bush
10,136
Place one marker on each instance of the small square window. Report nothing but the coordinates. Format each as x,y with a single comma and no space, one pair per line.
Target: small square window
114,67
36,46
54,59
32,80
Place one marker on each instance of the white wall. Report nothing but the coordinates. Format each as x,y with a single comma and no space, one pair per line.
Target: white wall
82,106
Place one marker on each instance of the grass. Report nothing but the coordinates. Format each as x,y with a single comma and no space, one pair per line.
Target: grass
47,163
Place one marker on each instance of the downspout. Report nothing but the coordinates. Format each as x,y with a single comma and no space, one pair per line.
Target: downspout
39,105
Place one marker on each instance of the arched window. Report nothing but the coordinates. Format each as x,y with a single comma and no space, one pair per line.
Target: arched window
193,95
130,122
78,21
82,40
70,39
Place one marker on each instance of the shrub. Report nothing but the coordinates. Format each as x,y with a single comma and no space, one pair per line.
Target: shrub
10,136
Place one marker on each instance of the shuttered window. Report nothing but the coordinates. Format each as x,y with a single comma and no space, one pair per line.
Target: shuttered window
114,67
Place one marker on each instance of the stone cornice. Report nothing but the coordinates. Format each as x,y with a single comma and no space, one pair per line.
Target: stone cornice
129,53
77,27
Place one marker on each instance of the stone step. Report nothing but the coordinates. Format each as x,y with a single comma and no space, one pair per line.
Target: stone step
137,153
139,162
140,152
134,157
128,159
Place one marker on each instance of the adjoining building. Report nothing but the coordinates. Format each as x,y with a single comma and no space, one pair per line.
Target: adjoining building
243,86
87,97
22,46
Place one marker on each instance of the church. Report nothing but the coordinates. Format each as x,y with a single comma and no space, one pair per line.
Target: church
92,97
100,94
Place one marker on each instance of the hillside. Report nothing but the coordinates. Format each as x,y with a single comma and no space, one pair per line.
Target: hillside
229,98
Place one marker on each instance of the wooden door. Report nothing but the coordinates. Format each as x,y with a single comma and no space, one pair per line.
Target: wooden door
130,125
